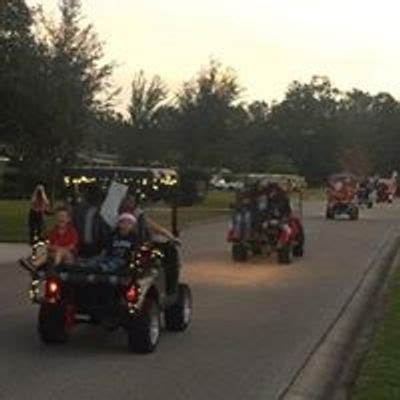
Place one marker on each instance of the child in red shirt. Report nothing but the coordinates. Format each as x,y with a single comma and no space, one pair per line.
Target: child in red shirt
63,238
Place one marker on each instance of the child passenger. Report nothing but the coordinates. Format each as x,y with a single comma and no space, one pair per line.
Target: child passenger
121,245
63,238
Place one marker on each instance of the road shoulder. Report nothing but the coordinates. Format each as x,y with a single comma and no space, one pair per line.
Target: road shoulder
10,252
317,377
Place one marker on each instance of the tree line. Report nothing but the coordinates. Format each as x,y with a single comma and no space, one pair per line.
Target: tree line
57,99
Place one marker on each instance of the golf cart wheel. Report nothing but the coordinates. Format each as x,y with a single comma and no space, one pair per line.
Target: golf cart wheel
330,214
285,254
144,329
239,252
53,324
298,249
256,249
179,315
354,214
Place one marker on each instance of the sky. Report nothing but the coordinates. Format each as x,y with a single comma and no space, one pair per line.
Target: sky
269,43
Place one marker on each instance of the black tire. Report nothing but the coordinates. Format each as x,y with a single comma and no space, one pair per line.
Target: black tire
330,214
370,205
144,329
285,255
239,252
52,325
256,249
354,214
298,249
178,316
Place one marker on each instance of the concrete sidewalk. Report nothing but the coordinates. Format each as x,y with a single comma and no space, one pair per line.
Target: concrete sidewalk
11,252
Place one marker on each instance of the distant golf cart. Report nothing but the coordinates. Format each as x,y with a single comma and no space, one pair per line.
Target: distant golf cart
257,227
341,197
386,190
137,296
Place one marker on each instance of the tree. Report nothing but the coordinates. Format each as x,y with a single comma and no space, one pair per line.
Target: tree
18,59
62,66
22,82
206,110
79,83
305,123
148,96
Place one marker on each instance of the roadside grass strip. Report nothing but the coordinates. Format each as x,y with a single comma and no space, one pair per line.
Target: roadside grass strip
379,377
14,215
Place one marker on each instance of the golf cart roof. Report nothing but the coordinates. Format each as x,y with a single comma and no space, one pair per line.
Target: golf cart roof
295,181
121,172
342,176
145,183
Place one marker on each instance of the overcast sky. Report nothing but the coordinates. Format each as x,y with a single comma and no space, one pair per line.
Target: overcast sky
268,42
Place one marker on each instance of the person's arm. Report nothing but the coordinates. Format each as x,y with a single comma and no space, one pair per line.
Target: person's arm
47,209
158,229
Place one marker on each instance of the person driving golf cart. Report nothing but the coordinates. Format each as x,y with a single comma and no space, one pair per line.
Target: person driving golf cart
278,204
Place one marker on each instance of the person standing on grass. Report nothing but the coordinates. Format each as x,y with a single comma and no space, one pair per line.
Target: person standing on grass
39,207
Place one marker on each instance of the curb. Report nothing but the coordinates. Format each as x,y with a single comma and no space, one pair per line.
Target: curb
317,376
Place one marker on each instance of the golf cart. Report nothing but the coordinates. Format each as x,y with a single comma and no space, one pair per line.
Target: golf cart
257,227
386,190
136,297
341,195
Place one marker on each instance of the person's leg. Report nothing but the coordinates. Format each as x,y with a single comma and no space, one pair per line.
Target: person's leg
32,227
63,256
68,257
58,256
39,225
248,224
111,264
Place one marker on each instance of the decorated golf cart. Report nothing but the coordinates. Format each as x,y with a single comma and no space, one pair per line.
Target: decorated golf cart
267,218
137,296
341,196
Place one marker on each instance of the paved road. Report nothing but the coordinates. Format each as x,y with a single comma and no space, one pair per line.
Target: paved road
254,324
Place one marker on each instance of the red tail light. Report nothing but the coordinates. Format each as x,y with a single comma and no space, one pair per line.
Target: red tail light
53,290
132,294
231,235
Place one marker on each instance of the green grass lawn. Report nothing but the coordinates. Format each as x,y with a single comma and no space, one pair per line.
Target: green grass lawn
315,194
14,215
14,220
380,374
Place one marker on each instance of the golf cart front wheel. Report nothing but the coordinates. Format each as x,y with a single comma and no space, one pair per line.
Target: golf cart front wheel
298,250
144,329
179,315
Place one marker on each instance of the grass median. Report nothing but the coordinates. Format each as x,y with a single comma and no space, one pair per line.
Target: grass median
14,215
379,377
